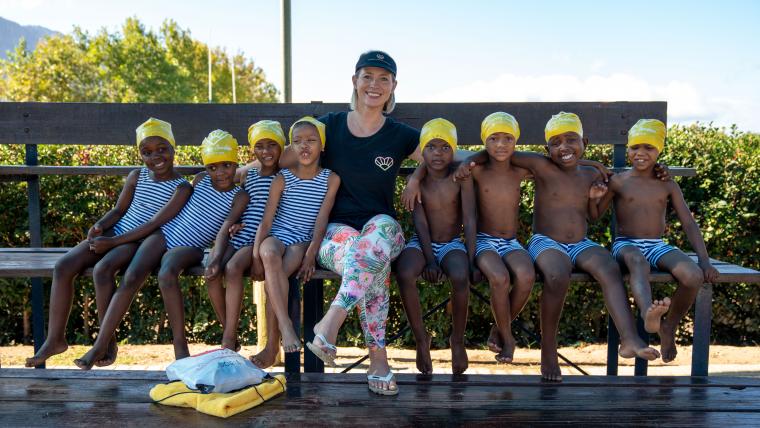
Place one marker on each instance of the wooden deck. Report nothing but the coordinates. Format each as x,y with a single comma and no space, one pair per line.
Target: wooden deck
108,397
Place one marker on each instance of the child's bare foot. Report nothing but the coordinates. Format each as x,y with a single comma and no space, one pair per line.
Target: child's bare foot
110,356
550,370
424,362
508,351
494,340
290,340
668,342
459,360
637,348
231,345
47,350
88,360
654,314
265,358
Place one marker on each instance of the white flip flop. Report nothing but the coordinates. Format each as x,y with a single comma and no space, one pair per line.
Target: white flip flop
327,357
387,379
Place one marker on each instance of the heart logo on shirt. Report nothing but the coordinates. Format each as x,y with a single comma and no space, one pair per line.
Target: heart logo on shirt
384,162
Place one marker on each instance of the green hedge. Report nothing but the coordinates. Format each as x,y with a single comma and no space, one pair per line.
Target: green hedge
724,198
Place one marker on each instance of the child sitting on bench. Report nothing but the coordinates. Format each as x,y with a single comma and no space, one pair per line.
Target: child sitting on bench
641,203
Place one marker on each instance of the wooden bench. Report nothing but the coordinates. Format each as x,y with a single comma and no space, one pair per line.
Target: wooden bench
33,124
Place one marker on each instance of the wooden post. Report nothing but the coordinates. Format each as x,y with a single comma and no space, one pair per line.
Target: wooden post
313,301
700,352
35,234
293,359
260,300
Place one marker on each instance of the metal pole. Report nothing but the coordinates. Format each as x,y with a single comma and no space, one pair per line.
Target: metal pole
232,69
287,88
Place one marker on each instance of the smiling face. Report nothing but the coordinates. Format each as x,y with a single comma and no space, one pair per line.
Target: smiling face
437,154
267,151
222,175
566,149
306,143
642,156
500,146
157,154
374,87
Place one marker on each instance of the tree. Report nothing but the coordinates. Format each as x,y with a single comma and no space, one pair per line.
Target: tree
131,65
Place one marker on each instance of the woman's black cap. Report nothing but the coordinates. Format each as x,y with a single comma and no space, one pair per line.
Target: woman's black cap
376,59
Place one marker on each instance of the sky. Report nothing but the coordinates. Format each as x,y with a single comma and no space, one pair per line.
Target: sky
702,57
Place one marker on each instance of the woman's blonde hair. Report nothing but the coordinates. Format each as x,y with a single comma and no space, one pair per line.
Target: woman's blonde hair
389,105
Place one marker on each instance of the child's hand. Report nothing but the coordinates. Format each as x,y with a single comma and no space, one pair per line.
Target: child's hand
257,270
307,268
476,276
597,190
235,228
432,273
212,271
661,171
100,244
94,232
411,194
463,171
711,274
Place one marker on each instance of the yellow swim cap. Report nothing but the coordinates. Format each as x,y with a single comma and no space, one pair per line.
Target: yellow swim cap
499,122
563,122
219,146
441,129
155,128
648,131
317,124
266,129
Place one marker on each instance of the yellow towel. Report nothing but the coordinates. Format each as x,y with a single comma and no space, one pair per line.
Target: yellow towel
223,405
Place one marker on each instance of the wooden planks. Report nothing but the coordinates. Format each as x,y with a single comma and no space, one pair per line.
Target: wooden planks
102,123
72,397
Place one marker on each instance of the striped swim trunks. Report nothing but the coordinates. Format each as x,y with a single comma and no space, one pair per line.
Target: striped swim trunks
440,249
500,246
539,243
652,249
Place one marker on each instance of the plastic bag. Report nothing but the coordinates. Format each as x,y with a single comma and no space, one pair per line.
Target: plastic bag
218,370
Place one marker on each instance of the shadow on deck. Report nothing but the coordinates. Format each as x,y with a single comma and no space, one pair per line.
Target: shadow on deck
100,398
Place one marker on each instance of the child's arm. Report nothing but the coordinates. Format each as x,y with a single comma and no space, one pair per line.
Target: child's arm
110,218
411,194
275,193
320,227
213,267
198,177
432,272
469,215
599,200
691,228
178,200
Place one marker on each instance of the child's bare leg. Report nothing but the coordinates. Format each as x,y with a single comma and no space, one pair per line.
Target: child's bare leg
61,298
173,263
272,251
409,266
555,268
503,343
148,256
690,278
456,267
104,278
234,272
599,263
638,268
215,287
523,276
267,356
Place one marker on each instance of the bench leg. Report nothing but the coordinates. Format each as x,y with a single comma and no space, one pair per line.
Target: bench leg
38,316
700,355
613,343
641,365
313,301
293,359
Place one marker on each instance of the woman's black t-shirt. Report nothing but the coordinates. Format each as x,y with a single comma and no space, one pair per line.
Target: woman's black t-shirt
367,167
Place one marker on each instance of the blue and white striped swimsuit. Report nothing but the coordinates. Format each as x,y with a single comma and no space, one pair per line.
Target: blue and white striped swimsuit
500,246
652,249
299,207
539,243
440,249
200,219
150,196
257,187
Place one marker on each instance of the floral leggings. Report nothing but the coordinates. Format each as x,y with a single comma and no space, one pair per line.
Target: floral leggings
364,261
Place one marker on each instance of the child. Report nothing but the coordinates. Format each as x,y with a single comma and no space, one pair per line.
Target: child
562,197
641,202
146,191
228,263
176,246
295,217
438,245
498,253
